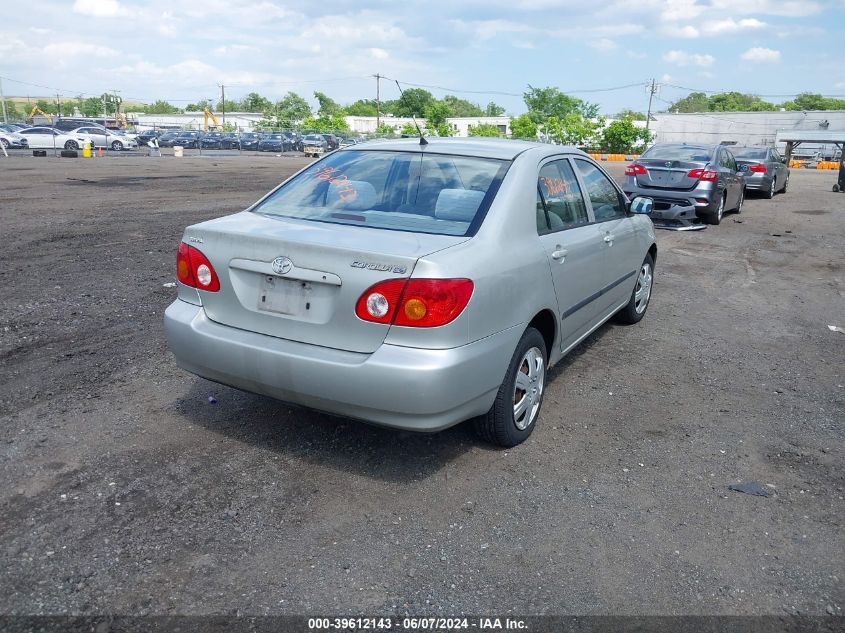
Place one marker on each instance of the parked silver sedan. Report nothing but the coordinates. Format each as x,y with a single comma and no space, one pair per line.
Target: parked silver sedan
414,286
765,170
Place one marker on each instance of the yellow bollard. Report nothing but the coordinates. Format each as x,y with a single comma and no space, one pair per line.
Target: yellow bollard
86,151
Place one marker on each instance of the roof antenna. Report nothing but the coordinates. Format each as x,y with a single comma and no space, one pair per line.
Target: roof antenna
423,142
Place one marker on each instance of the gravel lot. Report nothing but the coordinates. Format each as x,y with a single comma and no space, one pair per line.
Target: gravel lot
125,491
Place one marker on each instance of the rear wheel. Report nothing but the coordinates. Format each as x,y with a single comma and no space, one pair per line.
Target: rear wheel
770,193
741,201
514,413
716,218
71,145
785,184
4,143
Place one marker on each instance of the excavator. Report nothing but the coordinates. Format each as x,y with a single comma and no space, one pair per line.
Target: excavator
208,114
37,110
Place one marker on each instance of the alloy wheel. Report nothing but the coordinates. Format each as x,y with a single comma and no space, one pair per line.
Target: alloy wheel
642,293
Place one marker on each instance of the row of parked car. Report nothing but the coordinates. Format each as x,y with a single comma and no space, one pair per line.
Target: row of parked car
17,135
280,141
694,184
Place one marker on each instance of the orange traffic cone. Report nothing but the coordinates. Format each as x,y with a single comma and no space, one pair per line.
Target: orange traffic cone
100,153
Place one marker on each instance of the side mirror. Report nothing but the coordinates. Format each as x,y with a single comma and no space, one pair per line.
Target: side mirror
783,160
642,205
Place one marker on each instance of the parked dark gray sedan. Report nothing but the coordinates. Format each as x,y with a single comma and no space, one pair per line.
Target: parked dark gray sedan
764,168
690,184
414,286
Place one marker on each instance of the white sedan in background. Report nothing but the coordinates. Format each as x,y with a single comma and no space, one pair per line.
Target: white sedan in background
101,137
11,139
47,137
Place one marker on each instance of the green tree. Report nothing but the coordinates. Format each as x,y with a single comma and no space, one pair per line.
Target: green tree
572,129
737,102
328,106
413,102
493,109
544,103
484,129
11,110
328,124
409,129
623,137
693,102
254,102
461,107
91,107
46,106
384,130
436,113
810,101
160,107
292,108
632,115
199,106
230,106
362,107
523,127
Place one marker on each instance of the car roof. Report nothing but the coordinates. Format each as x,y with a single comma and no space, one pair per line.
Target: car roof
506,149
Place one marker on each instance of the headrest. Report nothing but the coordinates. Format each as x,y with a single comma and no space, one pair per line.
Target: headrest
353,195
458,204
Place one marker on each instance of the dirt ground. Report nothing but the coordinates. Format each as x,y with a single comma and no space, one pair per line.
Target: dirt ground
125,491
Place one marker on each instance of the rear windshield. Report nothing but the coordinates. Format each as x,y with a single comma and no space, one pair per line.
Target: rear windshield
684,153
401,191
754,153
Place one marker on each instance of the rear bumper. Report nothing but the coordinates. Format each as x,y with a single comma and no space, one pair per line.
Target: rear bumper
677,217
758,183
704,198
401,387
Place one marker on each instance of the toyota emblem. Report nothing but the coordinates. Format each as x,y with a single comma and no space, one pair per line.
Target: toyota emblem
282,265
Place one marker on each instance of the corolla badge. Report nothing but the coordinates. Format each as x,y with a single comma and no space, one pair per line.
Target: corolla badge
282,265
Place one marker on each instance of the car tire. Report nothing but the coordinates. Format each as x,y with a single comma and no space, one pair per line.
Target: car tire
785,184
772,190
741,201
635,309
4,143
716,218
71,145
514,413
117,146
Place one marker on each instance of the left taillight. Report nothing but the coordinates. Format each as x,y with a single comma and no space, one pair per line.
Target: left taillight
193,269
415,302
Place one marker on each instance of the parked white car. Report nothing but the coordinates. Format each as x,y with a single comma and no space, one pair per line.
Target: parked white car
101,137
47,137
11,139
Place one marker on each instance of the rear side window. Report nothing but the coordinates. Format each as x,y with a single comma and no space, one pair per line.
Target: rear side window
403,191
560,203
605,198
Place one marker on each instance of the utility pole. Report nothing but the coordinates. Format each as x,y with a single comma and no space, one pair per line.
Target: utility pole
378,99
652,89
3,101
58,105
223,101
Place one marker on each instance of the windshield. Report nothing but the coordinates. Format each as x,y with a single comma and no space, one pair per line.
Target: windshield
754,153
402,191
684,153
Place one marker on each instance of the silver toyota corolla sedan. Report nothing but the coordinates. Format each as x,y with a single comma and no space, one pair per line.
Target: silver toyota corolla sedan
414,285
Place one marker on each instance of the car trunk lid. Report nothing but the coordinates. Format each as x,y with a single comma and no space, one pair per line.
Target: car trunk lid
320,272
668,174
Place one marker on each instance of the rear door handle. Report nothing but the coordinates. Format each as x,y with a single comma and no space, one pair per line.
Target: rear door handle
560,254
608,238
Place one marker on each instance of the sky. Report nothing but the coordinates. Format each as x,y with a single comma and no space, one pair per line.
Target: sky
602,51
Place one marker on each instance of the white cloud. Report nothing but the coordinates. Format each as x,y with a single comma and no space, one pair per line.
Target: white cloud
100,8
730,26
760,54
62,50
604,45
682,58
379,53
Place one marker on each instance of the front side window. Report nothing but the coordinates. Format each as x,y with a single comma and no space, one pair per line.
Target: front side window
560,198
404,191
605,198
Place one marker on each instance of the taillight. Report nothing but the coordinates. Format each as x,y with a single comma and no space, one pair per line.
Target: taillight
415,302
193,269
633,169
758,169
704,174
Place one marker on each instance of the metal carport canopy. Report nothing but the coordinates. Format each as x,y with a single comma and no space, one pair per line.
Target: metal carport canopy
793,138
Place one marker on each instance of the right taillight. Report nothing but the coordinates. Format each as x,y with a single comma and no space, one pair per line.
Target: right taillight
704,174
757,169
415,302
193,269
634,169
